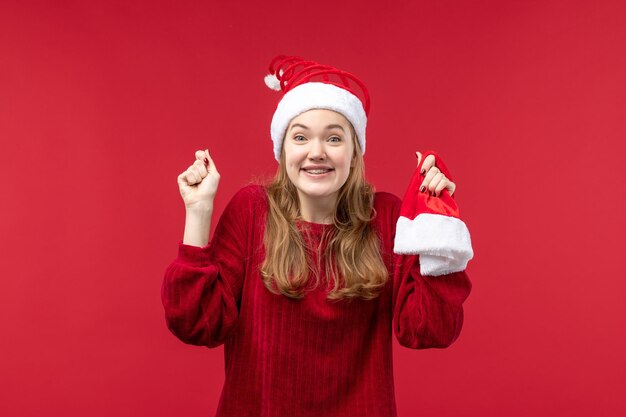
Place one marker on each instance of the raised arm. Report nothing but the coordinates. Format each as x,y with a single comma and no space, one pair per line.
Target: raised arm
198,187
432,248
202,287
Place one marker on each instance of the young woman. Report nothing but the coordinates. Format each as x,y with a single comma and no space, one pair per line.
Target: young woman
304,278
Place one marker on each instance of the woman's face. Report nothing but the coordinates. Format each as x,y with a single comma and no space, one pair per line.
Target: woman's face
319,151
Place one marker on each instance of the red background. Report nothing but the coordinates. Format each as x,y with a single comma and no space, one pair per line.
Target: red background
102,105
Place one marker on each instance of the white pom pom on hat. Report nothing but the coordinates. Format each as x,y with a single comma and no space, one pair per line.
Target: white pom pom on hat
309,85
272,82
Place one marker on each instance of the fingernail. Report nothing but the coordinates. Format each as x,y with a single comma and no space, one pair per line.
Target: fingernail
422,171
206,161
422,188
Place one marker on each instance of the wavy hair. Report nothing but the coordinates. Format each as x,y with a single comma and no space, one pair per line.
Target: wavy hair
351,248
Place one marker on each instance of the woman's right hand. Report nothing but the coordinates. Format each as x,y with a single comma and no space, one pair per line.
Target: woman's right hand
198,184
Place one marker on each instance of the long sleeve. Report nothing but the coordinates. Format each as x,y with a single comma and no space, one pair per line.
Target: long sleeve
427,310
202,287
431,250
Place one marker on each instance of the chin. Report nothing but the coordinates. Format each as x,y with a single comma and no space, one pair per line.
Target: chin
318,193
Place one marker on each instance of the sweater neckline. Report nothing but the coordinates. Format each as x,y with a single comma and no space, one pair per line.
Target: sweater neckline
315,228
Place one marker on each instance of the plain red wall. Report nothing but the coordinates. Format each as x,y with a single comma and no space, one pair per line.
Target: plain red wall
102,105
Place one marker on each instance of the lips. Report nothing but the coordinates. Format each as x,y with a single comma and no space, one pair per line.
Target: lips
317,171
316,168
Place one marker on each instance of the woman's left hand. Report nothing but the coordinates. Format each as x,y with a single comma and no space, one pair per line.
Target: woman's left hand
434,182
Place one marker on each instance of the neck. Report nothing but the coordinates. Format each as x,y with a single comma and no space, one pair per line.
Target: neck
318,209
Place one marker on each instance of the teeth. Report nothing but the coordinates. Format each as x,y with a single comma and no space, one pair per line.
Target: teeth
317,171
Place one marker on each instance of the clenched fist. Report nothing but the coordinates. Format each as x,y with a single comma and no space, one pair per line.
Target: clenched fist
198,183
434,180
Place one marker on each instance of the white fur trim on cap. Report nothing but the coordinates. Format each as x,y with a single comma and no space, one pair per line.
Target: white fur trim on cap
442,242
316,95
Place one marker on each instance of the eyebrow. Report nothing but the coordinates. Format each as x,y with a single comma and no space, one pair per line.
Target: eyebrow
327,127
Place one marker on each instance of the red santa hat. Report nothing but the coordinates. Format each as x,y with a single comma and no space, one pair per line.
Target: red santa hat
431,227
309,85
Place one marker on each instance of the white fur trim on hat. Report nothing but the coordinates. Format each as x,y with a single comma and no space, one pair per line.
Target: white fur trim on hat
317,95
442,242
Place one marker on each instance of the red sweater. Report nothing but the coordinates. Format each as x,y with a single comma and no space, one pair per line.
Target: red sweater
307,357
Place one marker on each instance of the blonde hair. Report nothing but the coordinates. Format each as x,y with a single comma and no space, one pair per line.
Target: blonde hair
352,250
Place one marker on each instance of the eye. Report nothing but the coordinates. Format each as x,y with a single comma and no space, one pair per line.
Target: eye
297,138
334,139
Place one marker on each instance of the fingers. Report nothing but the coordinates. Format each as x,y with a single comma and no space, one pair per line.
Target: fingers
430,175
451,187
206,158
434,180
443,184
429,163
201,155
439,183
211,165
192,176
188,177
182,179
198,170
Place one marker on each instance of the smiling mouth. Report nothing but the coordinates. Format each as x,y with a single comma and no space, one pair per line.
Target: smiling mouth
317,171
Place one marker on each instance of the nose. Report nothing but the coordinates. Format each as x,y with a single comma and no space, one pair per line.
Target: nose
317,150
